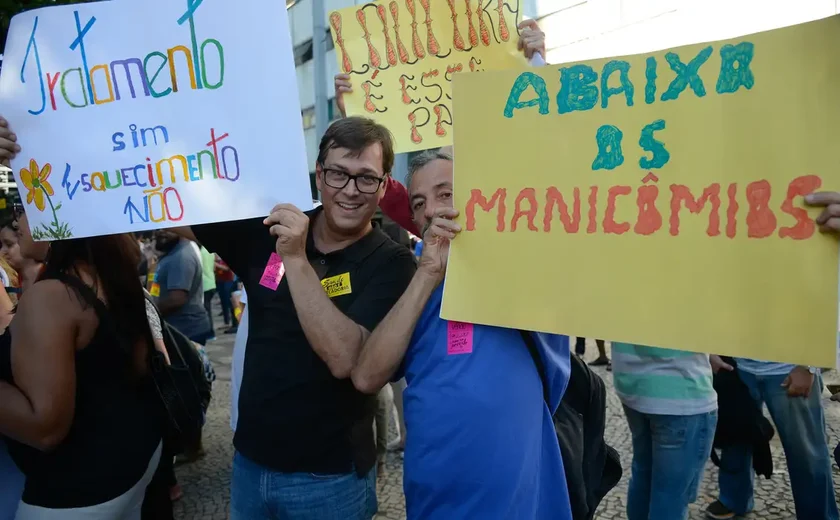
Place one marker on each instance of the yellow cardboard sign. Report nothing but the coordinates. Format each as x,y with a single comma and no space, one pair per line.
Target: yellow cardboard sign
402,54
655,199
155,290
337,285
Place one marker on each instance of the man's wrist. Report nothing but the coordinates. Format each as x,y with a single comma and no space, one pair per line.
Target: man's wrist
427,279
295,262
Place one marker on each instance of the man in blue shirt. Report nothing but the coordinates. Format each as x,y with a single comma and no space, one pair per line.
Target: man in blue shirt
482,442
179,287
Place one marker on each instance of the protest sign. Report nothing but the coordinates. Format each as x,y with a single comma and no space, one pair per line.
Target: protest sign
142,115
655,199
402,54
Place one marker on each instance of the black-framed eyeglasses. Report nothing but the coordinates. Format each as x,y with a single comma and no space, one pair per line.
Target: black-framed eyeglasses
365,183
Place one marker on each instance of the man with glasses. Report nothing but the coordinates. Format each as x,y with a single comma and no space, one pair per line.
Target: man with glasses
318,282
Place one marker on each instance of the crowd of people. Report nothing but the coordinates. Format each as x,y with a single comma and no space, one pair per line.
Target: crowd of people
330,312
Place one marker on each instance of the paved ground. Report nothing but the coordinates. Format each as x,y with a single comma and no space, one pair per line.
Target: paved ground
206,483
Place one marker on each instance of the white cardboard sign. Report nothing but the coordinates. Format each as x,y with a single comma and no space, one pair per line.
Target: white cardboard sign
153,114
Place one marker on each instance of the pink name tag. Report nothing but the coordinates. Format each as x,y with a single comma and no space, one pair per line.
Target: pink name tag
273,273
459,338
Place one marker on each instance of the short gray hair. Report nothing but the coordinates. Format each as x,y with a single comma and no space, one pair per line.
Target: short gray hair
422,160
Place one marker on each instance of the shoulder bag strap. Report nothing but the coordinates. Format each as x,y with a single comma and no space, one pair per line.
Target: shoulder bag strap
538,361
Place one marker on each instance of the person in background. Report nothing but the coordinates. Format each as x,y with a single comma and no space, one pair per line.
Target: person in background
6,272
7,303
77,403
11,479
792,394
671,408
793,397
238,364
479,449
179,287
384,410
225,283
148,262
602,360
27,269
11,484
157,503
208,271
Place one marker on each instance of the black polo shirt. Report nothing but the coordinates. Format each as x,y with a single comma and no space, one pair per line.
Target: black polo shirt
294,416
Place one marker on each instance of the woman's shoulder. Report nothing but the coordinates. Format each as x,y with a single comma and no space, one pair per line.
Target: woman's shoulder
49,294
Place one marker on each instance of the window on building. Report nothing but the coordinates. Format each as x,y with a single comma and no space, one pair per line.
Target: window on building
312,186
308,116
332,110
303,53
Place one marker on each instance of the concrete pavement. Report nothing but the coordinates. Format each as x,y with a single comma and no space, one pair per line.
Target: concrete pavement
207,483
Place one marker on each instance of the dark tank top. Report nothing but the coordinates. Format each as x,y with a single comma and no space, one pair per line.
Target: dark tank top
116,426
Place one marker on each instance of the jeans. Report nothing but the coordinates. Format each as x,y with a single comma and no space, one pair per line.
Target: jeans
384,407
225,291
669,456
208,306
580,346
800,422
11,484
201,338
260,493
837,455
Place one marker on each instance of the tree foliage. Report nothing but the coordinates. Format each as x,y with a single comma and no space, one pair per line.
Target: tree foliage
9,8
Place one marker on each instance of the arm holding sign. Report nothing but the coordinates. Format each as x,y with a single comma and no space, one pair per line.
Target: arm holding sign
395,203
829,219
8,143
385,349
338,343
532,41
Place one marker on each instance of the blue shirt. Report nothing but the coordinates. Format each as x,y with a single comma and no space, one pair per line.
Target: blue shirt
764,368
180,269
482,443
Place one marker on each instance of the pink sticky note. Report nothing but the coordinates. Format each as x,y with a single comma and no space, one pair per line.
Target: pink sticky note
273,273
459,338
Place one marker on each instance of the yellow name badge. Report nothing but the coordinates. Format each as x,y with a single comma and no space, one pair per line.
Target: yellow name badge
337,285
155,290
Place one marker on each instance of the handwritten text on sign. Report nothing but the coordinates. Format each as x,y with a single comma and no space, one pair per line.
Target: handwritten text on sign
402,54
125,131
655,199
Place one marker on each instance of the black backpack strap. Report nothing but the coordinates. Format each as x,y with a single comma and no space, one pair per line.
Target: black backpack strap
538,361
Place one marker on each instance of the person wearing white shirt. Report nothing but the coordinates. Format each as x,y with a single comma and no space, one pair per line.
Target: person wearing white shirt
238,365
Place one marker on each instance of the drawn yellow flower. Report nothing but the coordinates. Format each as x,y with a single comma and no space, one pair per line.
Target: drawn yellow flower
36,183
